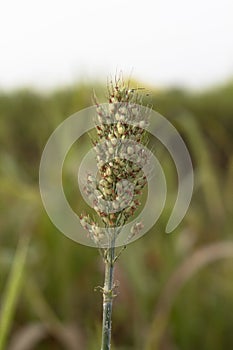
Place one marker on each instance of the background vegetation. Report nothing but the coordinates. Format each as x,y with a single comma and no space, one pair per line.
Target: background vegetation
176,291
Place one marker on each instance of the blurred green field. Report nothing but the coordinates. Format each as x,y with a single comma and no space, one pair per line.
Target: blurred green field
176,291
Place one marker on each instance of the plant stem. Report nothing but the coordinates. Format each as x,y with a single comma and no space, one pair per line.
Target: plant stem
108,296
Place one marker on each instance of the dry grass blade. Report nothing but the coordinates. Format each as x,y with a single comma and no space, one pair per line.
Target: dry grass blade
28,337
181,275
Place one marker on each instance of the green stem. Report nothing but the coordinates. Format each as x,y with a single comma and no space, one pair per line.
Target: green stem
108,296
13,289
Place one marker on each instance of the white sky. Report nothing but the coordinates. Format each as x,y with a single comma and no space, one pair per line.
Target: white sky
50,42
